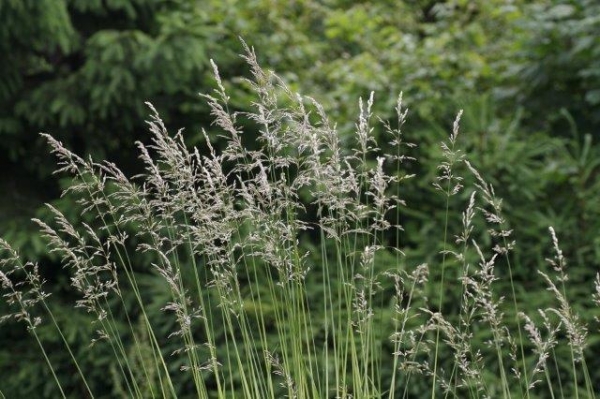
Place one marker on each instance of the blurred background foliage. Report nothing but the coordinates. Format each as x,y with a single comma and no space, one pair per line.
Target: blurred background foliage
526,73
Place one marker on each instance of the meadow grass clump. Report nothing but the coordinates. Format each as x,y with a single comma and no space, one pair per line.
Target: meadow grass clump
284,268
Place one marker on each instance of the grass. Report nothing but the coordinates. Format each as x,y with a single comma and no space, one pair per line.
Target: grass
285,269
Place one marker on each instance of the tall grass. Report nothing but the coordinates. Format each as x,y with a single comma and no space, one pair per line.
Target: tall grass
285,267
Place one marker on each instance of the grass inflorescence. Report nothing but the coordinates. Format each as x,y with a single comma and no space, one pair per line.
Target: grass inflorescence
285,272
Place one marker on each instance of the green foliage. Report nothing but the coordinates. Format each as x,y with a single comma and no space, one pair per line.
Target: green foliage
83,70
525,73
558,64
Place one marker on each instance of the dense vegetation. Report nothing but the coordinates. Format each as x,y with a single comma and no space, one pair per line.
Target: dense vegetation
525,74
